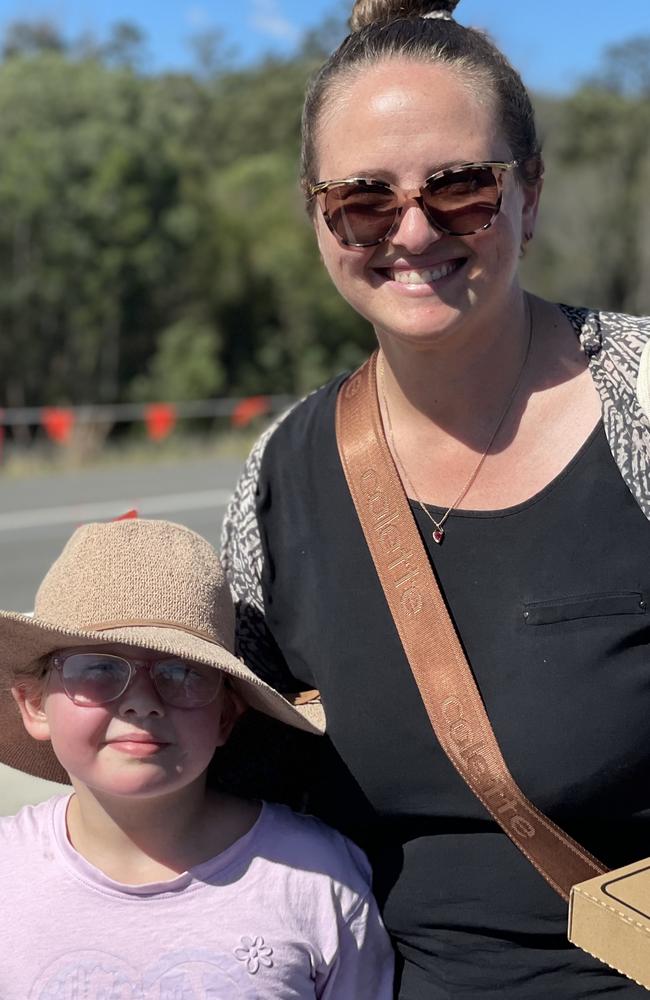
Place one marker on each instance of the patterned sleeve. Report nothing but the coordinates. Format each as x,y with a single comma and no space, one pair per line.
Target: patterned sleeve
614,345
243,558
263,757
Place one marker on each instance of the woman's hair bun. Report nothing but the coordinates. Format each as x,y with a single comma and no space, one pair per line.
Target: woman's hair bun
365,12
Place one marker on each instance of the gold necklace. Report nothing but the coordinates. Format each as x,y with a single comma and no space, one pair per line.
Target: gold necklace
439,532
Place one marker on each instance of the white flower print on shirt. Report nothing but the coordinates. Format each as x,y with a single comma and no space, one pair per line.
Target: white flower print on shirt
254,953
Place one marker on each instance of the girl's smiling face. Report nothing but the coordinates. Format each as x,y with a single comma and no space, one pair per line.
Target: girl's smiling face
400,121
135,746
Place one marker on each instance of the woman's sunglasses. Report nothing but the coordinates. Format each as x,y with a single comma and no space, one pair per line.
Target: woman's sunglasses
93,679
458,201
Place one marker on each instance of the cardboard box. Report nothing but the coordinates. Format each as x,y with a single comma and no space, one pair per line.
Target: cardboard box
609,917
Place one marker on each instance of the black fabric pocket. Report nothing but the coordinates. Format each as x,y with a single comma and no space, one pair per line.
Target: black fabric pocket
566,609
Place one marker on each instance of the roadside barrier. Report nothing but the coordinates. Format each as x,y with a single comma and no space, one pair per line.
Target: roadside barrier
59,423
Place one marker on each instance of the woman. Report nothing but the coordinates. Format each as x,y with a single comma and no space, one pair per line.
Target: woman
521,444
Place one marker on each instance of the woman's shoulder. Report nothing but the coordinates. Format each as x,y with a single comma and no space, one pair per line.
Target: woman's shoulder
296,451
619,336
625,352
617,346
297,438
299,427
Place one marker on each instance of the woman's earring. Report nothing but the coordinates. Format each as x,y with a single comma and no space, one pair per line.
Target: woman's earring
527,237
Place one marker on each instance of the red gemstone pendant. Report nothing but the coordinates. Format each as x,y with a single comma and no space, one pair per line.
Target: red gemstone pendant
438,535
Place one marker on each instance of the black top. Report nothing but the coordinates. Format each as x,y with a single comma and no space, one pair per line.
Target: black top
549,598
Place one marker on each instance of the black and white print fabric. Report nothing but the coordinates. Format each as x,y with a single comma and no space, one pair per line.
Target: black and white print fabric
615,345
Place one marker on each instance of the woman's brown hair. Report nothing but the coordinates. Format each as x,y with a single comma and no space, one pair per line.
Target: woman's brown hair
423,31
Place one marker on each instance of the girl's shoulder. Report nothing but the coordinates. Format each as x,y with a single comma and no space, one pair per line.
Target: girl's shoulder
32,816
27,831
307,842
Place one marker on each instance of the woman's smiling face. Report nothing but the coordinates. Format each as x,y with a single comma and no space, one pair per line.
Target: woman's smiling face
400,121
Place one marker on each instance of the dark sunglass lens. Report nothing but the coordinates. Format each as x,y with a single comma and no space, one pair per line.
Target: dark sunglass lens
94,678
361,214
185,685
463,201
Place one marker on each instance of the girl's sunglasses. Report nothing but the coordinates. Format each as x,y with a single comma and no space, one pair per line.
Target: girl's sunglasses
93,679
458,201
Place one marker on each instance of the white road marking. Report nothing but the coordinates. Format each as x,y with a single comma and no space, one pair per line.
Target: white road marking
82,512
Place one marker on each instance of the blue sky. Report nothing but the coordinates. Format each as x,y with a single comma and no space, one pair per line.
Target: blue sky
554,43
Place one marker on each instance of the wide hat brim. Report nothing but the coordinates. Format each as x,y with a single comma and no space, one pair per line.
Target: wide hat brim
24,639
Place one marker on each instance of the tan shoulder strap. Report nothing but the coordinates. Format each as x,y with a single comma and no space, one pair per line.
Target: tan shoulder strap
433,649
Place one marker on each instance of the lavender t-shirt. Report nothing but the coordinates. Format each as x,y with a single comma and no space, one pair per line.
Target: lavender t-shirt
284,913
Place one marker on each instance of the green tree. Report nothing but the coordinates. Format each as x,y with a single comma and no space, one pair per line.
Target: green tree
185,366
28,38
154,243
604,151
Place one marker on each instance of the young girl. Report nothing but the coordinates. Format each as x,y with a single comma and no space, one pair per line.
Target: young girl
143,883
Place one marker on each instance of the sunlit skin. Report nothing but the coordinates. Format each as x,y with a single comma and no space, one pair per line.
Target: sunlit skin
138,768
452,347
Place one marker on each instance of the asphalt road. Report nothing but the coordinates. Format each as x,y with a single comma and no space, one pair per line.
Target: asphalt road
38,515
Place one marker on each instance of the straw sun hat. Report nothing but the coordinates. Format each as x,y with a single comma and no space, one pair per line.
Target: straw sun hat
144,583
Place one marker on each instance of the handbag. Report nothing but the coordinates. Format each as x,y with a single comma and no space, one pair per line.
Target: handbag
453,701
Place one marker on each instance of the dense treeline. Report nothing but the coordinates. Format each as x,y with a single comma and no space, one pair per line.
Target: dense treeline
153,243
